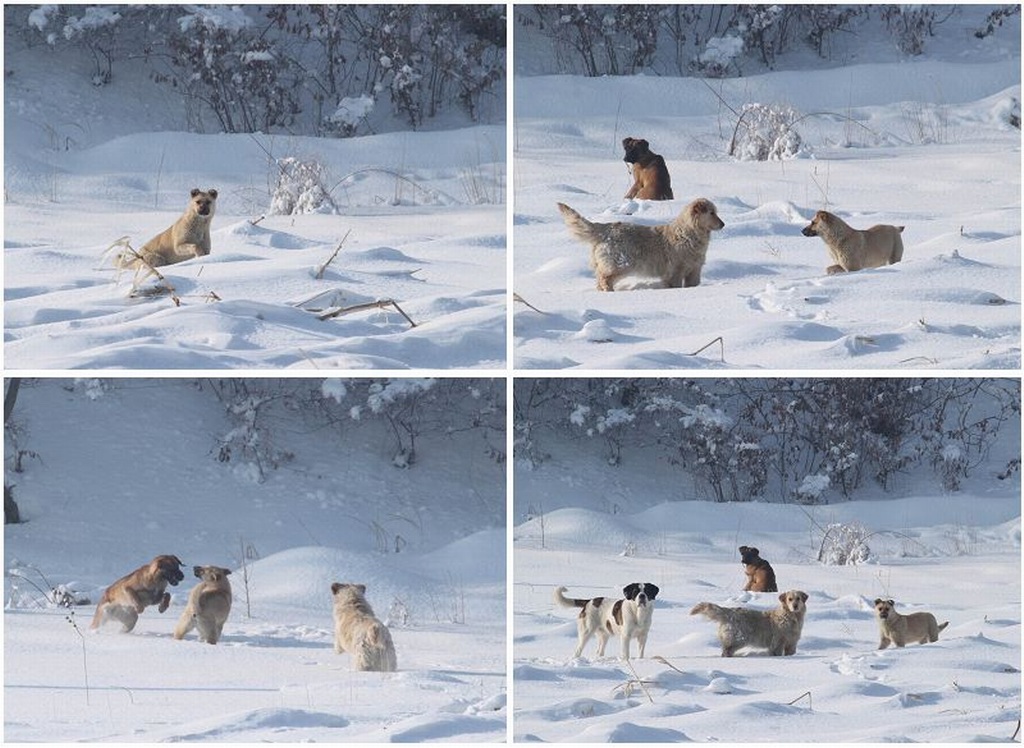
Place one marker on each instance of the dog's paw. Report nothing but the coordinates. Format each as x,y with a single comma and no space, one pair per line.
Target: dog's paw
164,602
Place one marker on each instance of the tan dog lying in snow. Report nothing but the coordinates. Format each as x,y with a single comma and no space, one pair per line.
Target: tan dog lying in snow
856,249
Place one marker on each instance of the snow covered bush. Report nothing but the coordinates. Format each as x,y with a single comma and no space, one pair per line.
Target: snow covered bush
221,61
764,132
845,544
300,189
910,25
351,112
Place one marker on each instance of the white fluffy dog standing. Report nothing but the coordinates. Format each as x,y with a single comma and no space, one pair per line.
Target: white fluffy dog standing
358,632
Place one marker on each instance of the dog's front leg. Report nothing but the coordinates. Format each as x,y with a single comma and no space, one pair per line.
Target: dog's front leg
165,602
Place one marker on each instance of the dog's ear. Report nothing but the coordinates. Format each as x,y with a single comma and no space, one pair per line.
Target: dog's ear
226,571
212,193
803,596
892,603
195,191
197,570
335,587
878,600
652,590
630,591
643,143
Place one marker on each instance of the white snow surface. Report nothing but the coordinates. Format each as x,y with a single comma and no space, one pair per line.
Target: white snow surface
422,222
595,528
922,144
121,476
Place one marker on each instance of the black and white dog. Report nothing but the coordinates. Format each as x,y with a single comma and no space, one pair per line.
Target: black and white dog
629,618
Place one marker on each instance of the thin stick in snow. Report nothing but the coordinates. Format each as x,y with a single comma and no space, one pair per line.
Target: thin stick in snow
323,268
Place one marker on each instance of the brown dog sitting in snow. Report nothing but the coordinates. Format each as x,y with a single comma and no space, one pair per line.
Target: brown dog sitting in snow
650,174
760,574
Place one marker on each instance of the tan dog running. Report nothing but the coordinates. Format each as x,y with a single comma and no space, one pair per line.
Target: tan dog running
628,618
650,174
899,629
674,252
208,605
776,630
856,249
760,574
189,236
126,598
358,632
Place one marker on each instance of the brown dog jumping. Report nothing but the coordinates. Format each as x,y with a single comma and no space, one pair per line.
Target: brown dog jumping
128,596
650,175
760,574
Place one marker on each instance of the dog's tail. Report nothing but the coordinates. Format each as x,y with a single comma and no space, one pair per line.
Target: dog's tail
712,611
942,626
578,225
568,602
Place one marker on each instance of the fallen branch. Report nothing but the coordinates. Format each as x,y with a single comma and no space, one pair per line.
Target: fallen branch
808,695
380,304
323,268
663,661
638,681
130,257
521,300
718,340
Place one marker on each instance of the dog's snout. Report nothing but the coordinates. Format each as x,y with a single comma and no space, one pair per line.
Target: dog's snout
809,231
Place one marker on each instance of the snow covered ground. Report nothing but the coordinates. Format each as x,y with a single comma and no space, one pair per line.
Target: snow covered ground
957,556
421,219
924,143
122,472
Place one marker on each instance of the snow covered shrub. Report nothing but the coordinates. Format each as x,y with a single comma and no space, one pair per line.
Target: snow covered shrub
94,28
951,465
300,189
812,490
845,545
351,112
822,22
764,132
222,61
995,20
909,26
719,57
250,443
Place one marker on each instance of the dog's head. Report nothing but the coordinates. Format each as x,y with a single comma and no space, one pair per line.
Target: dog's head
168,568
345,589
703,214
641,592
794,601
203,203
884,607
637,150
210,573
814,227
749,554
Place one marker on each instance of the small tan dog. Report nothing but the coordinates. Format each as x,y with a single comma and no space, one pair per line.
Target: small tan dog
358,632
899,629
126,598
189,236
760,574
650,174
208,605
776,630
673,252
856,249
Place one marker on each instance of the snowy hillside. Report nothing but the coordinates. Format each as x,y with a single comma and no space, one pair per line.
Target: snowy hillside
595,527
420,221
923,142
117,472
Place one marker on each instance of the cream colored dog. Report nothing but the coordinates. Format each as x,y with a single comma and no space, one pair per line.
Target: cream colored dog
776,630
189,236
358,632
899,629
126,598
856,249
208,605
674,252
